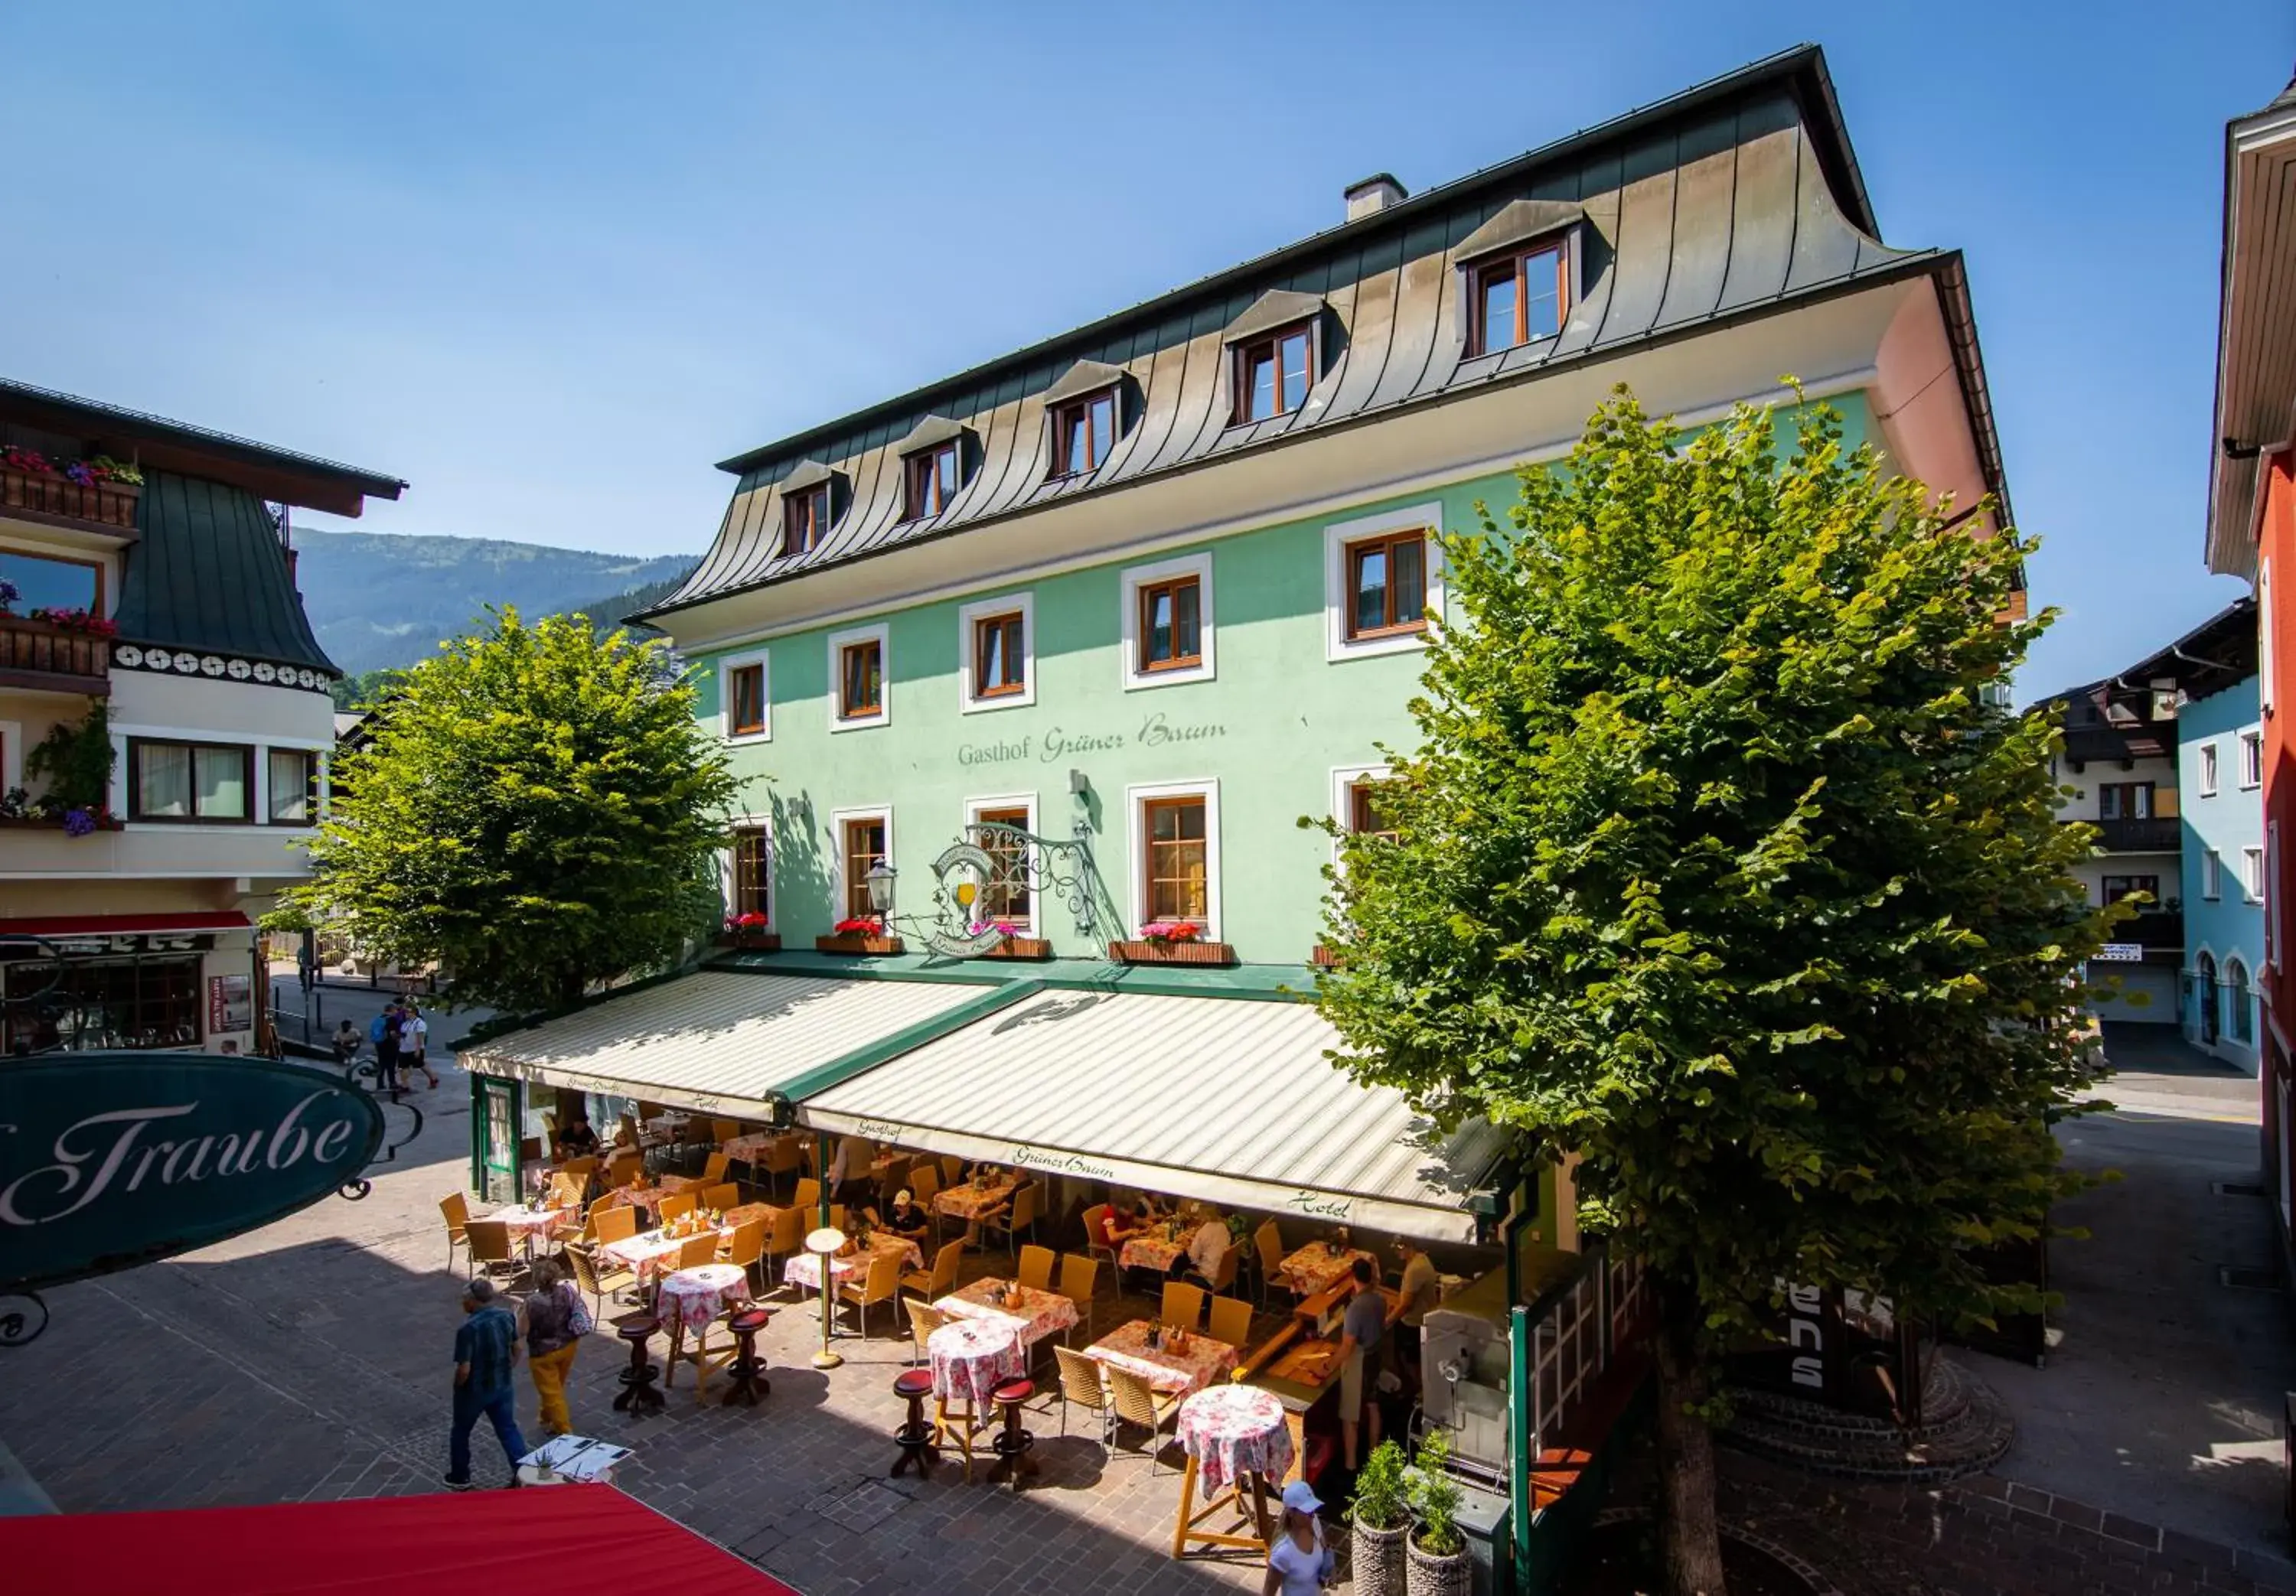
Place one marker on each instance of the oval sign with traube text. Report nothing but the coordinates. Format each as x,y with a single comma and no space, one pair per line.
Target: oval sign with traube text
111,1159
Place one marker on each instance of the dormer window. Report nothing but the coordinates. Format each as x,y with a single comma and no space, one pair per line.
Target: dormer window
1084,431
805,519
932,480
1273,372
1519,298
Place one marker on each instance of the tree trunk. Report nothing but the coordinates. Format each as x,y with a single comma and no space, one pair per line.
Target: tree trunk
1685,1458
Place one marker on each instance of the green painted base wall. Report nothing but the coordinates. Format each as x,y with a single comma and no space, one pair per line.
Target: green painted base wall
1272,727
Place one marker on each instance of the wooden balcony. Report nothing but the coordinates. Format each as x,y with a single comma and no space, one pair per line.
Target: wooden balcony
104,506
45,658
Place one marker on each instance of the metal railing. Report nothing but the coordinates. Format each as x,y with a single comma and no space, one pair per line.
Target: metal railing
2154,834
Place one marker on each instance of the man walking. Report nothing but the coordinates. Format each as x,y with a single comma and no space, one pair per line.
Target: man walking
484,1347
385,1033
414,1034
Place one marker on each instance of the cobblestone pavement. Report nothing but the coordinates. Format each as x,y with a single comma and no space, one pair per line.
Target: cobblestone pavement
310,1361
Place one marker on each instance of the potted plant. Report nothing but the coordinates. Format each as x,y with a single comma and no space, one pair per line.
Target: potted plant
1015,946
1171,941
1381,1516
116,474
1438,1565
861,934
749,931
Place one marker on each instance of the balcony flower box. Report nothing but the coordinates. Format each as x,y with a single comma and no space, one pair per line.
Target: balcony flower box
55,651
1171,941
749,932
1029,948
85,825
1325,957
29,483
857,936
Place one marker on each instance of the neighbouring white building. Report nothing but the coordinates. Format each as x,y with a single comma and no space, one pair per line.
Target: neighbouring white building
165,720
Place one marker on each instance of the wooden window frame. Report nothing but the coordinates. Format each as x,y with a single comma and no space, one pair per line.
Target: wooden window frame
1385,543
853,885
1360,810
1073,413
1270,344
1021,815
2151,799
1516,264
1150,809
136,748
918,474
310,758
1018,621
735,672
847,711
750,868
1143,598
805,520
2129,885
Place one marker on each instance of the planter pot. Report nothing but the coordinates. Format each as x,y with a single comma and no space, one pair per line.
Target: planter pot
1324,958
22,822
1432,1576
1378,1560
753,942
1021,947
856,942
1144,952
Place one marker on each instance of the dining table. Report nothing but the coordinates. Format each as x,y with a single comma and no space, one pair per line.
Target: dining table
529,1221
643,1254
1239,1448
688,1301
647,1199
1307,1270
1202,1362
804,1269
753,1146
1153,1250
970,1199
1033,1311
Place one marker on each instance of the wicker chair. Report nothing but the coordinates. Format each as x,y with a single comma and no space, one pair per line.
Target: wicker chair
488,1243
923,1320
1081,1387
942,1280
456,1209
1183,1304
1036,1272
618,1222
1136,1401
677,1206
713,1168
600,1283
1232,1321
882,1283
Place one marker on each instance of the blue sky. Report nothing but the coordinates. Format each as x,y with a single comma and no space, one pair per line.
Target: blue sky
549,262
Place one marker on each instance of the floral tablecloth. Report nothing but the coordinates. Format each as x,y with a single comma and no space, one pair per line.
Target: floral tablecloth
647,1199
1205,1363
970,1202
694,1297
805,1268
970,1357
1034,1314
1307,1270
1232,1430
530,1221
746,1212
753,1146
643,1254
1154,1251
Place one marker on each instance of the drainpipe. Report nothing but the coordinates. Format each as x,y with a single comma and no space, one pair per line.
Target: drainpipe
1518,1437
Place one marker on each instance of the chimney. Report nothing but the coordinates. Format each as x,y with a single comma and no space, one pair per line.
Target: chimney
1374,194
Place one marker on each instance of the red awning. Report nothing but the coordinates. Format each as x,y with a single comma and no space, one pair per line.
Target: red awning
594,1536
125,925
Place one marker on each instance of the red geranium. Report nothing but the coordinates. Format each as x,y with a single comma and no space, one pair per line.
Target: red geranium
1171,930
855,928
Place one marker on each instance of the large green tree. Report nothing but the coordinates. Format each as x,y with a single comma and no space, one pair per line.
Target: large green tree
1721,866
538,809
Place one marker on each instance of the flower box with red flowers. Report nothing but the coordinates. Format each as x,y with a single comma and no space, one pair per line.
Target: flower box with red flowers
1015,945
1171,941
858,935
74,620
749,931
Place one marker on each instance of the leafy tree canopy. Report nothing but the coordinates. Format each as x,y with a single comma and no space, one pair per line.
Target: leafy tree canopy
1721,865
538,809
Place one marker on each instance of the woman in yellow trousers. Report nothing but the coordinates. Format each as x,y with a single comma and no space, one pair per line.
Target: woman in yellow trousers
546,1320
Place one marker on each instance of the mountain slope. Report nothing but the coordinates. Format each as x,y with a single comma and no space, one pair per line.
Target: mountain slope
381,599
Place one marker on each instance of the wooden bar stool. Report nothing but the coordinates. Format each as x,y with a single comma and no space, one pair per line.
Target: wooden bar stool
1012,1443
918,1439
748,1369
638,1395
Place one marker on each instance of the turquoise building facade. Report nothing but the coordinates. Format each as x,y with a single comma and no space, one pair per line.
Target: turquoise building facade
2220,774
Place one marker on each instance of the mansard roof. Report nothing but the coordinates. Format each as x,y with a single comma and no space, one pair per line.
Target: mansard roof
1730,201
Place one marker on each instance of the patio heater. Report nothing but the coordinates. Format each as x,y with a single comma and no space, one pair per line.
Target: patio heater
823,1244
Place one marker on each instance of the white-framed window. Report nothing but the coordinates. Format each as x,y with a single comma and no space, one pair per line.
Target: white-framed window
860,678
2208,771
11,754
1353,800
1380,583
1167,622
1175,855
2251,874
2211,874
997,654
746,868
1014,903
745,698
857,839
2251,760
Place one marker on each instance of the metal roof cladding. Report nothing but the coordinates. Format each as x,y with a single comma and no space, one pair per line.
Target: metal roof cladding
1733,201
205,572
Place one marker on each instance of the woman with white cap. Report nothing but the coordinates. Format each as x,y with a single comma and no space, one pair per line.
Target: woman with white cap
1299,1560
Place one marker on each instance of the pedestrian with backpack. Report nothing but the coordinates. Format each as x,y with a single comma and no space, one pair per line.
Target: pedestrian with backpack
385,1033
